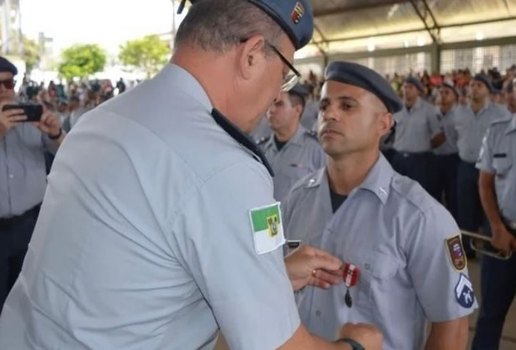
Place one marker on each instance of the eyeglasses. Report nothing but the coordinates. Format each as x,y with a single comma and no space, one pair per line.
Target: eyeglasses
292,78
8,84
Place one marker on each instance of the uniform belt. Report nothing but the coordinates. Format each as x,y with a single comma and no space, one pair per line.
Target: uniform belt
6,223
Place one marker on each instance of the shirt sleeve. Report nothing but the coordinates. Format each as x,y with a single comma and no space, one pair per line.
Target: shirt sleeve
250,293
485,158
439,273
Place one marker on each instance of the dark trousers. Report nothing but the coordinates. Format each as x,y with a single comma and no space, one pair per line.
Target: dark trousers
443,181
497,288
414,165
471,214
15,235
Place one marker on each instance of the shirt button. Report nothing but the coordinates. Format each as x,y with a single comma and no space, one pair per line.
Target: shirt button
318,313
367,266
11,176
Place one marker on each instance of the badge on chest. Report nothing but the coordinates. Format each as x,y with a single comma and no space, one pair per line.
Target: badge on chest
351,275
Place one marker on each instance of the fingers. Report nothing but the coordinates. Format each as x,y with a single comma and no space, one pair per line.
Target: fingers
326,279
324,260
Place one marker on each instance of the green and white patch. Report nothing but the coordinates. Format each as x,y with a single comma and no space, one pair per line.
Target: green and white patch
267,226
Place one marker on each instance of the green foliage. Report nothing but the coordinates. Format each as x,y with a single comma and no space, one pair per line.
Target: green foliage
149,54
81,61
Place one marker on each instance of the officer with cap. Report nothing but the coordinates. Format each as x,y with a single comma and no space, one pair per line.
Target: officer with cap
159,223
417,133
22,176
446,159
497,188
403,259
292,150
471,123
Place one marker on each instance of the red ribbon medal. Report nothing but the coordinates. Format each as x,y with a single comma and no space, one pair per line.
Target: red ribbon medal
350,275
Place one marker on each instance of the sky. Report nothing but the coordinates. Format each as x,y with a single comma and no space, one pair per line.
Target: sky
108,23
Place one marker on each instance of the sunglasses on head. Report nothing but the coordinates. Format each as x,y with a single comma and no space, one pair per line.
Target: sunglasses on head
8,84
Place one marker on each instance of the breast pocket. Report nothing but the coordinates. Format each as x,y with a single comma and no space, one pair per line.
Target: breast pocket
379,272
502,166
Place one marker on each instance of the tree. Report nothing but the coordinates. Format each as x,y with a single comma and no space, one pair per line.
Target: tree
31,54
148,53
81,61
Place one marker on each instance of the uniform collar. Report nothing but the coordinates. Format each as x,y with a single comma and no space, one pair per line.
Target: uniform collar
378,179
190,86
512,125
296,139
185,82
482,110
416,105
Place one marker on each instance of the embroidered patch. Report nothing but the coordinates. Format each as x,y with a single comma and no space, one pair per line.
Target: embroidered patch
464,292
267,228
456,253
297,13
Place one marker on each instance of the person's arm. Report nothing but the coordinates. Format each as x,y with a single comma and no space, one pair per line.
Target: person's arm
449,335
369,337
51,127
502,239
311,266
438,136
438,140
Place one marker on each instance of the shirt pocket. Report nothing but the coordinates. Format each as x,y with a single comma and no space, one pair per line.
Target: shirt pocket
502,166
378,276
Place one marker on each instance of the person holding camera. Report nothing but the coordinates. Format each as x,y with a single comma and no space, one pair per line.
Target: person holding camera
22,173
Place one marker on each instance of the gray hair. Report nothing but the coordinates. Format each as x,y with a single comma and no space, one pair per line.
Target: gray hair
217,25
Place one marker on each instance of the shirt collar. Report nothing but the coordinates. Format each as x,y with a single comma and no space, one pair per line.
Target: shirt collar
182,80
378,179
296,139
512,125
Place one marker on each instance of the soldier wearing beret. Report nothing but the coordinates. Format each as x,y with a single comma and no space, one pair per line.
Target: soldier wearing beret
159,226
22,175
292,150
404,264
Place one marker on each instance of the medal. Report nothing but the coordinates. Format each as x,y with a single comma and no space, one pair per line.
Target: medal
350,275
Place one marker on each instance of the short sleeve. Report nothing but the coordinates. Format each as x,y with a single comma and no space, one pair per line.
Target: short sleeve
250,293
485,158
439,273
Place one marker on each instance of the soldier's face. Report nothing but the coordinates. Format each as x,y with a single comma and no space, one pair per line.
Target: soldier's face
351,120
282,114
478,90
447,96
410,91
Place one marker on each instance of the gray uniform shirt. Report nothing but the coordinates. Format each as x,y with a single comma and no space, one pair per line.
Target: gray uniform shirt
301,156
472,127
498,157
144,240
396,234
22,169
447,123
416,128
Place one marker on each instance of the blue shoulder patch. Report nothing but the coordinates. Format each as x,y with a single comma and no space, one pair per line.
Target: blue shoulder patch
464,292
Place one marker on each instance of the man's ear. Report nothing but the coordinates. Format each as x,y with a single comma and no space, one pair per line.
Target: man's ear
385,123
251,55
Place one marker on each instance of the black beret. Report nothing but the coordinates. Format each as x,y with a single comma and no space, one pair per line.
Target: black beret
416,82
299,90
450,86
295,17
7,66
485,80
367,79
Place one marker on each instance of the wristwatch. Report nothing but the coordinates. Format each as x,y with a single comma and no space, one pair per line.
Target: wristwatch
354,345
